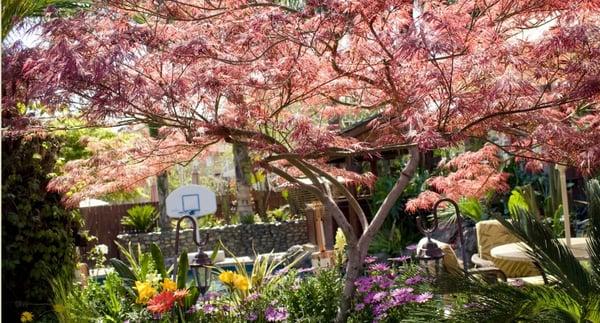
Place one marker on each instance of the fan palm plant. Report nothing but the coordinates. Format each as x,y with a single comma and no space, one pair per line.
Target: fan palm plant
574,297
140,218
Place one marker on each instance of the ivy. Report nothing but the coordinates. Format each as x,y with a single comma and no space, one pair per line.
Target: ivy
38,234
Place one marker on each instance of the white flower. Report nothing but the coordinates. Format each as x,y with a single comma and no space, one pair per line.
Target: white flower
153,277
102,248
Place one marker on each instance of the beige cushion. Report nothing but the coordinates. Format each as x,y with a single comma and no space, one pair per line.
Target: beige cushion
450,261
490,234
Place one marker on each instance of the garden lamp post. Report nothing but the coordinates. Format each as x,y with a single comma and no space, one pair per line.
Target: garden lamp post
430,255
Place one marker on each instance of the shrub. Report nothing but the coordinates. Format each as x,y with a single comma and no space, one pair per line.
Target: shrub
313,298
140,218
38,234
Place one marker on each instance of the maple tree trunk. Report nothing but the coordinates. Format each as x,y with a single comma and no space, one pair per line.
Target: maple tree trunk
356,254
242,169
162,187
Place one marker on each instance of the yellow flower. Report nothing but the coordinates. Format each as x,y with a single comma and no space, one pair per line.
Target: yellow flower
169,285
145,291
26,317
59,308
240,282
227,277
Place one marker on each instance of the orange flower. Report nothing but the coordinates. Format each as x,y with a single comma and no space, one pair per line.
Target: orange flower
161,303
180,294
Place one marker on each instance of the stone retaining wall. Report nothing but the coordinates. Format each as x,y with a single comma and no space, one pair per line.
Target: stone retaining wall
239,239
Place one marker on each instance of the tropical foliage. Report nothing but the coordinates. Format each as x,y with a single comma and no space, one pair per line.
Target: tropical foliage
571,298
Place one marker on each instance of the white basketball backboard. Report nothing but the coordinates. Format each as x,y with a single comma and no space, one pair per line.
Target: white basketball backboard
194,200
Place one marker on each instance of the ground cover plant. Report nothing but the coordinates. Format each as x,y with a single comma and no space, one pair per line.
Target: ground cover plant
520,76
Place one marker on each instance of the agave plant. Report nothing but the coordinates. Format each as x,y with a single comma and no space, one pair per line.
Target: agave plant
574,296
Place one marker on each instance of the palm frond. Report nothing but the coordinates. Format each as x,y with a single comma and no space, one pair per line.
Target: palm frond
554,257
593,196
501,302
15,11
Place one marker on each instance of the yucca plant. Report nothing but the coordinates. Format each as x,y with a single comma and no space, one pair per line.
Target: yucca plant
140,218
574,296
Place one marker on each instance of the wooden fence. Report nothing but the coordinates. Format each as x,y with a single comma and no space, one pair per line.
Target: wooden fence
104,222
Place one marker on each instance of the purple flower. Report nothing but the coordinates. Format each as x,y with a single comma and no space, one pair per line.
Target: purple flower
414,280
251,316
379,267
276,314
210,295
209,308
252,297
374,297
422,298
400,259
359,306
364,284
383,281
402,296
282,271
380,309
412,248
306,270
378,297
370,259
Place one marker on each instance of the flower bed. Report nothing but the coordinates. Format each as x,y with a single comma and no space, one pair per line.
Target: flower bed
143,291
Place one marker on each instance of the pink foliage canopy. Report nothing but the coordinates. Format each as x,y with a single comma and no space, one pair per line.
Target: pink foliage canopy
272,76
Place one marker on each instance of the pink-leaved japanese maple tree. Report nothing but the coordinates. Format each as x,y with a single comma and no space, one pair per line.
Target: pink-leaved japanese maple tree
270,76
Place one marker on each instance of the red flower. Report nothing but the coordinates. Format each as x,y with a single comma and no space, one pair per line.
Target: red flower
161,303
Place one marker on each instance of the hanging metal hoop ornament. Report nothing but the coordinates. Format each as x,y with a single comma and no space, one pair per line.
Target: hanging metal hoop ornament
425,230
459,223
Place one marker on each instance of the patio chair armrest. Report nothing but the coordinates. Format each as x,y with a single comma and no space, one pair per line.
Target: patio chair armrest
491,271
480,262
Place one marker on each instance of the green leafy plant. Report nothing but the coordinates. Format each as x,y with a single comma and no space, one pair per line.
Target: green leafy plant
388,241
209,221
248,219
140,218
280,214
138,264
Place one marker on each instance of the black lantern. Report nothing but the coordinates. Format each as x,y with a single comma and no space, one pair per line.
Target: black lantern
201,269
430,255
201,264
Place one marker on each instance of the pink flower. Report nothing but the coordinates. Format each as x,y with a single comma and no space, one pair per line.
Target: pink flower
422,298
